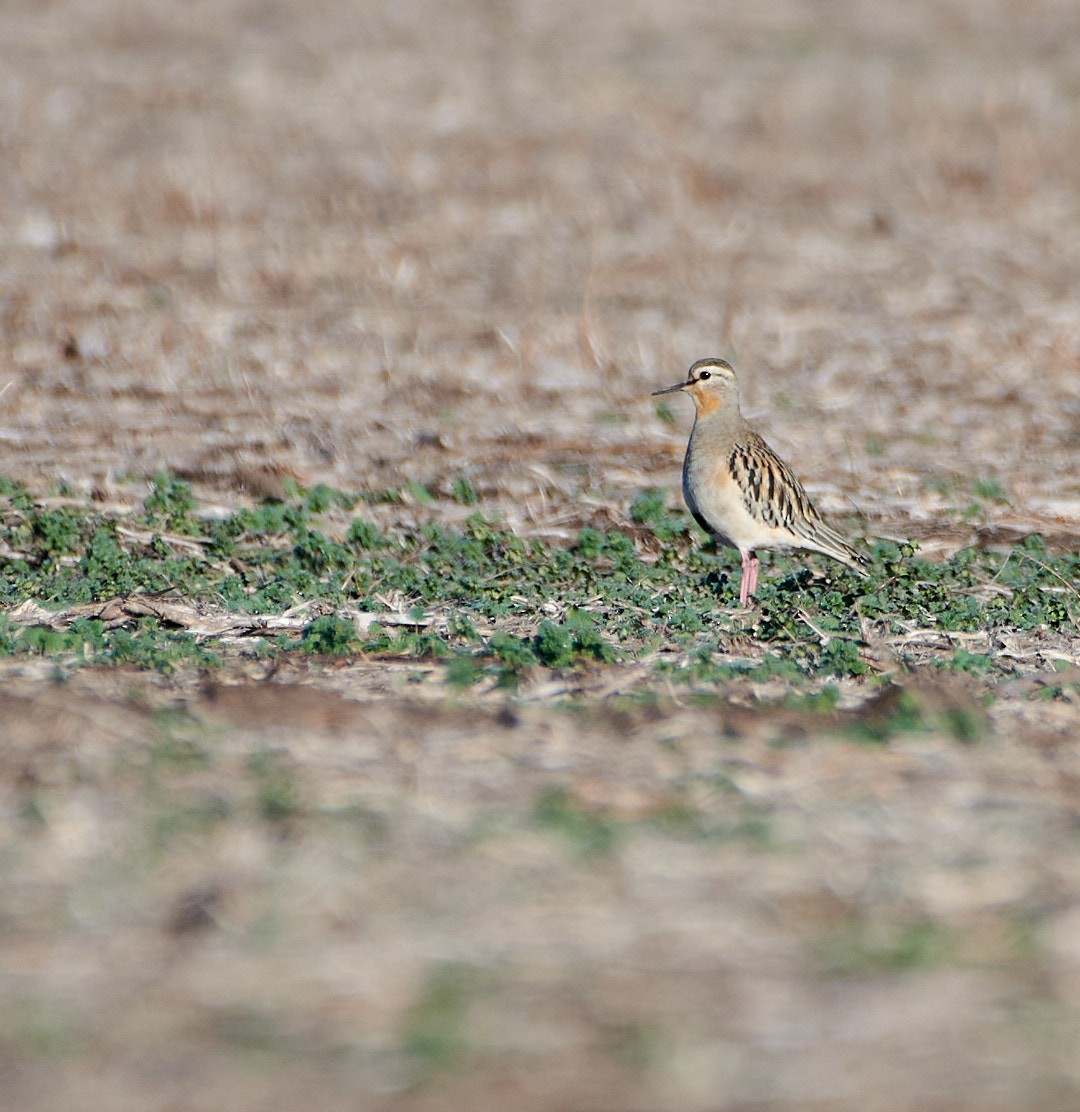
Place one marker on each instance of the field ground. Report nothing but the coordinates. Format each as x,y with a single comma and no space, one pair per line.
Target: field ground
375,730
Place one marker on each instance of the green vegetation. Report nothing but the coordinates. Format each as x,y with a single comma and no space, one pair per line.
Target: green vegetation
434,1034
277,791
635,1046
589,831
862,950
44,1030
507,605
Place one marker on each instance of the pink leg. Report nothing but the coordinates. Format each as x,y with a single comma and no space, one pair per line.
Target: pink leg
749,577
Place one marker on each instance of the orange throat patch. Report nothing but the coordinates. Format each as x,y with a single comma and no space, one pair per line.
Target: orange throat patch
704,402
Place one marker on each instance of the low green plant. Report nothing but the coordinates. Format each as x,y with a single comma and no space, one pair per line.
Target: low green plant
650,508
329,635
435,1034
277,792
864,950
623,598
590,833
463,492
170,504
576,639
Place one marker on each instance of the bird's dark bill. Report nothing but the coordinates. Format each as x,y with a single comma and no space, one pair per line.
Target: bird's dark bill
670,389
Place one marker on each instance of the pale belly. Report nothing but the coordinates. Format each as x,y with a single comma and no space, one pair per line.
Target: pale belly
718,505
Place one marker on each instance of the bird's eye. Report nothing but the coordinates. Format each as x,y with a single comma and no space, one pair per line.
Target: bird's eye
704,375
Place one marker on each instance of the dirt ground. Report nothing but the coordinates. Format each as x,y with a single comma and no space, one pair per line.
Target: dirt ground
368,243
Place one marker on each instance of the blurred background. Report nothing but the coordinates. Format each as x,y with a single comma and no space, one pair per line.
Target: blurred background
361,240
366,243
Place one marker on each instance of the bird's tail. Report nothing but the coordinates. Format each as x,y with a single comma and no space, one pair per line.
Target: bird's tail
830,542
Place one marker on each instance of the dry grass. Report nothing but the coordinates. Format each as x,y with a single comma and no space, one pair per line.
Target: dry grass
363,244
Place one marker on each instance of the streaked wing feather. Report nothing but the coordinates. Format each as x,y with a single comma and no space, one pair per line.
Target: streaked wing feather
772,494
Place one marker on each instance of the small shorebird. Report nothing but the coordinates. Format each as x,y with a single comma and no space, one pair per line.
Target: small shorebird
736,486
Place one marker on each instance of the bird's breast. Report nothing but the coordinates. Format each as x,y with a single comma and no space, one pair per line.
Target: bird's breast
719,503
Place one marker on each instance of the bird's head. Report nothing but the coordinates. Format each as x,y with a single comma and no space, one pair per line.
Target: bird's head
712,385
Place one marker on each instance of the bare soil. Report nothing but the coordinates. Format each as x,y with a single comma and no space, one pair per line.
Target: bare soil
364,244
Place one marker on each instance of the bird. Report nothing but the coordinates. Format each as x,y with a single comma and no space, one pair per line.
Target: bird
738,488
